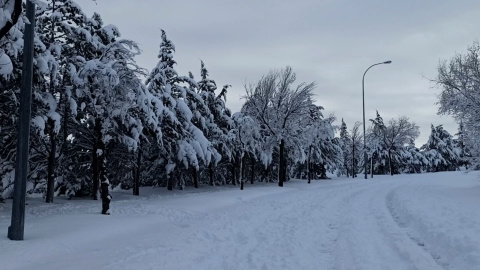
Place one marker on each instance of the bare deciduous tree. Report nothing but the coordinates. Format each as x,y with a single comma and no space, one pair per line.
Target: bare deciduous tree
277,106
459,80
397,133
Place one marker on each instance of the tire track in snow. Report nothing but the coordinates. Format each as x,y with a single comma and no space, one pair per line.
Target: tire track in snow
371,239
401,219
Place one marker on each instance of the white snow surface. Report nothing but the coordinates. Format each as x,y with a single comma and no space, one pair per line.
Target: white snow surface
425,221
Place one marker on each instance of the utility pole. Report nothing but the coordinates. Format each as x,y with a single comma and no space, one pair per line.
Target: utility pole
16,229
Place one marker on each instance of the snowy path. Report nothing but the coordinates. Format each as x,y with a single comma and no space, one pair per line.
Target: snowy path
386,223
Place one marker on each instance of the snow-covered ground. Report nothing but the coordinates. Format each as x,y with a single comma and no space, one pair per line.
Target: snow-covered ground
427,221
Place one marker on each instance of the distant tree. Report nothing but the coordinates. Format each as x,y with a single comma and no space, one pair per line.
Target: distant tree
184,142
356,145
413,159
245,134
460,143
346,146
393,137
278,106
441,151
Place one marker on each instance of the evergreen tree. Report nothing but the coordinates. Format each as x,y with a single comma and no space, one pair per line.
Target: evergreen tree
345,144
441,151
183,140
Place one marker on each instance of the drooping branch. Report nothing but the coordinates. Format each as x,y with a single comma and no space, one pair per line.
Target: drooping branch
17,10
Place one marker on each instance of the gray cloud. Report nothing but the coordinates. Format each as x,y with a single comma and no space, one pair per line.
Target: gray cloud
329,42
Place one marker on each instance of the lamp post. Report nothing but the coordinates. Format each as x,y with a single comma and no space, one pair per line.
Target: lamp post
363,101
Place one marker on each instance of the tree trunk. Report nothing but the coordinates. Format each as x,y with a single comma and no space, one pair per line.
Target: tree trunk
371,165
234,178
252,173
353,162
95,169
136,184
51,129
170,181
241,169
323,171
2,199
98,160
390,162
244,166
281,171
195,177
65,120
210,172
308,165
51,162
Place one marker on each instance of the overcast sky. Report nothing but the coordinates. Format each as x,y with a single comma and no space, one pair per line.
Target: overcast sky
326,41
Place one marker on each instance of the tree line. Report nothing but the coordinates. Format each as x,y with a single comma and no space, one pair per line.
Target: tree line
95,117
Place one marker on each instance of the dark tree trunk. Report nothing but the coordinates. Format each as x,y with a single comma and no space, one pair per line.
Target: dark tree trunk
234,178
17,10
51,131
136,184
390,161
65,120
51,162
252,173
309,173
195,177
353,162
95,171
371,165
281,164
243,166
170,181
210,173
323,171
98,160
308,165
242,169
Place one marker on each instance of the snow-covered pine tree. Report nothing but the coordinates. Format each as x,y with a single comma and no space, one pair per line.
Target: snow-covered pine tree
322,152
460,143
441,151
183,141
356,156
345,144
106,89
413,160
56,21
378,150
245,134
218,129
197,97
11,55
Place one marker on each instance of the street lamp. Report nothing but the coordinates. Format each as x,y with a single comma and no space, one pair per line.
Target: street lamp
363,100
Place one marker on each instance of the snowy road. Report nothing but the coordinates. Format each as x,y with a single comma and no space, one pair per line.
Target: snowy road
402,222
